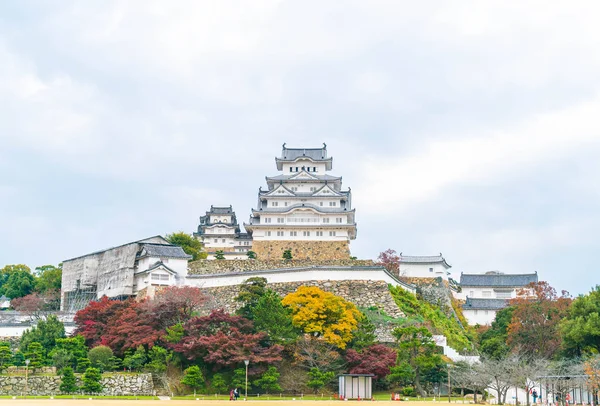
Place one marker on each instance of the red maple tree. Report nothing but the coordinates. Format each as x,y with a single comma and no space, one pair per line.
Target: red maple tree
376,359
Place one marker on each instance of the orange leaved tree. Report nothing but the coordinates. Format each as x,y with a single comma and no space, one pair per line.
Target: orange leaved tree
323,313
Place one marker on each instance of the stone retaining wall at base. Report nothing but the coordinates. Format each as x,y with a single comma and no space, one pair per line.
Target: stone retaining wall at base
43,385
363,293
313,250
212,266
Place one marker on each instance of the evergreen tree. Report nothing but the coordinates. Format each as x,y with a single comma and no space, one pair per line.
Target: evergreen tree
238,379
318,379
364,336
269,381
219,254
270,316
136,360
193,377
159,359
35,355
83,364
61,358
46,333
218,384
190,245
287,254
6,355
91,381
100,357
250,293
251,255
18,359
68,382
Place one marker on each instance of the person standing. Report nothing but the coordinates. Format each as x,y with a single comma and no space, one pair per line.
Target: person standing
236,394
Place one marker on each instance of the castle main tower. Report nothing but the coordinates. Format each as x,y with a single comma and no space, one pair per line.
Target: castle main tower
304,209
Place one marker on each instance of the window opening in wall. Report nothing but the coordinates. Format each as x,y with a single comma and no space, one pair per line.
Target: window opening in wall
486,293
280,220
275,203
338,220
319,233
472,293
296,169
326,220
285,203
268,233
430,269
279,233
306,233
291,169
331,204
223,240
216,240
267,219
314,168
321,204
293,233
332,233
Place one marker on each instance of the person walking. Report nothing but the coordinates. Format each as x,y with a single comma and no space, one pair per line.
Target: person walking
231,394
236,394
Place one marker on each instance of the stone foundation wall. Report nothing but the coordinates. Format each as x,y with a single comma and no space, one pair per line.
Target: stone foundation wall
363,293
126,384
313,250
210,266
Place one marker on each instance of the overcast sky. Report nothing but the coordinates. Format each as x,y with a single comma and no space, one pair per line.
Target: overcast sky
468,128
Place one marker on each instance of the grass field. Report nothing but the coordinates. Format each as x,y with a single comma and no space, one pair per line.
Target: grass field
108,402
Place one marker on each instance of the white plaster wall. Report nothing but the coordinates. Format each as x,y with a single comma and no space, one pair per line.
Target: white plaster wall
481,317
17,331
220,218
303,162
209,281
478,292
422,270
340,234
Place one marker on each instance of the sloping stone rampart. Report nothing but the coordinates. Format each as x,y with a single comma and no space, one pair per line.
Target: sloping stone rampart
43,385
210,266
363,293
313,250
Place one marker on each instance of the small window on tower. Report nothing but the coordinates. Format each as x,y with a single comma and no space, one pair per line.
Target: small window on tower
291,169
314,168
430,269
268,233
296,169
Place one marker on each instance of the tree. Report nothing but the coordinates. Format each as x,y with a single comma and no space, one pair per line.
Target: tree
493,341
251,255
239,378
67,351
270,316
175,304
417,348
219,254
91,381
92,321
9,270
68,382
35,304
218,384
135,361
49,278
19,283
313,352
83,364
401,375
100,357
193,377
287,254
159,359
251,290
46,333
390,261
580,330
224,341
534,328
18,359
376,359
6,355
190,245
35,355
318,312
364,336
61,358
318,379
269,381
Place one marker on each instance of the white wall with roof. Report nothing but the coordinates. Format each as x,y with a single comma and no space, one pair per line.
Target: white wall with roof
483,317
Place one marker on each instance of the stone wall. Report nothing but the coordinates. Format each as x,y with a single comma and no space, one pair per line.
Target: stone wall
209,266
114,383
363,293
313,250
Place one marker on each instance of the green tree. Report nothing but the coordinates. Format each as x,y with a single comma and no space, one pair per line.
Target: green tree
91,381
18,359
580,330
193,377
174,333
238,379
364,336
273,318
218,384
417,348
6,355
318,379
61,358
100,357
251,290
18,284
190,245
35,355
83,364
46,333
251,255
159,359
492,342
135,361
219,254
49,278
269,381
68,382
287,254
9,270
401,375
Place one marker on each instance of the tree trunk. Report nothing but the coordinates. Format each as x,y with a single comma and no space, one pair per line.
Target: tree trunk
418,386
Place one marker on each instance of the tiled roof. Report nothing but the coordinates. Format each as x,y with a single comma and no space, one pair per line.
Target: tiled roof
498,279
485,304
423,259
164,251
316,154
220,210
288,177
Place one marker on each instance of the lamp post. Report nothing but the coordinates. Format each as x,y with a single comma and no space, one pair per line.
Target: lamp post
26,376
246,361
449,387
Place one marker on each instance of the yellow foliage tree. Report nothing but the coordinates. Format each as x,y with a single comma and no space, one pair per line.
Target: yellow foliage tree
317,311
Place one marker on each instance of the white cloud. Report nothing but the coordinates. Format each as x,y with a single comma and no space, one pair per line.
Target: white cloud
439,165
